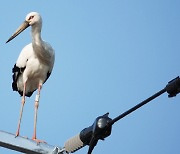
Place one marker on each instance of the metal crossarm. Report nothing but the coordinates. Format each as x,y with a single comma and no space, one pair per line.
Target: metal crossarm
26,145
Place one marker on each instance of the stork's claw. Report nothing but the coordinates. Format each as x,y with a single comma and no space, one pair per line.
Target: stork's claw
39,141
17,134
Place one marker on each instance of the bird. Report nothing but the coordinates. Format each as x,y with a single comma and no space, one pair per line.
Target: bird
33,66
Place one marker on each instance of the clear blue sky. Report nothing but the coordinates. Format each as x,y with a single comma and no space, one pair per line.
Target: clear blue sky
110,55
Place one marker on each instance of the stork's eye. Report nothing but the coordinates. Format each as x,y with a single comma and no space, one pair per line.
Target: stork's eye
31,17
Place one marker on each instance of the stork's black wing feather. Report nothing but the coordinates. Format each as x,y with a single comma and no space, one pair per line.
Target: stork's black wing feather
16,73
48,75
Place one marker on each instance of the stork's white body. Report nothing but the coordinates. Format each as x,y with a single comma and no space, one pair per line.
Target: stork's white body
38,63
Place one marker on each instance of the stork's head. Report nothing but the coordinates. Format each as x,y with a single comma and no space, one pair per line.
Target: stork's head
32,19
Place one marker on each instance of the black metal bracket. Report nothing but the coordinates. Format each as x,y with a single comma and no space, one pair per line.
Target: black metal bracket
173,87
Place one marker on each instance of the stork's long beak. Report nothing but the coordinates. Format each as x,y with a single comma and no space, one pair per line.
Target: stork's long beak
23,26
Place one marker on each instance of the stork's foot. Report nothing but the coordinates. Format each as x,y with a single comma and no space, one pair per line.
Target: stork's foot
39,141
17,134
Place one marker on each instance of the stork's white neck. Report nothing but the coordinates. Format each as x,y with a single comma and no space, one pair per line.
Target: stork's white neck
38,45
36,33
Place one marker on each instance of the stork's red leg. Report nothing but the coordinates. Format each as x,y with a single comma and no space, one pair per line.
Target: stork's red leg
35,114
21,110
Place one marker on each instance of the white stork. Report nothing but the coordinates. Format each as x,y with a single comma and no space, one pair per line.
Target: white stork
34,65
